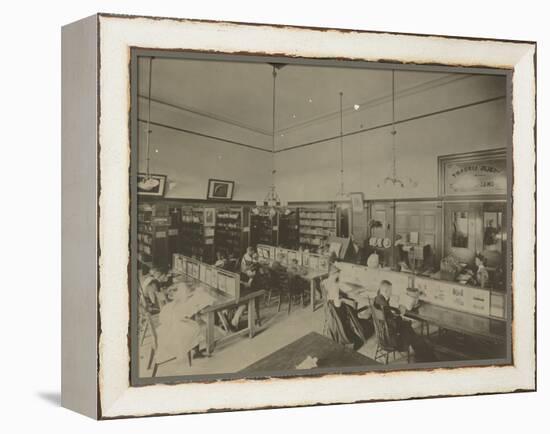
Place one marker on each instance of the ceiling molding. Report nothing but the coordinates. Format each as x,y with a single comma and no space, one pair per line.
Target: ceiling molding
208,115
389,124
367,104
207,136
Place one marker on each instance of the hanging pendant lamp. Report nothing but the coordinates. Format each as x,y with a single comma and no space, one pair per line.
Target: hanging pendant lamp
271,204
149,183
393,180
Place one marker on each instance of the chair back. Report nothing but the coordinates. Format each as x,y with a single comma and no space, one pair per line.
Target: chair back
282,280
385,338
147,315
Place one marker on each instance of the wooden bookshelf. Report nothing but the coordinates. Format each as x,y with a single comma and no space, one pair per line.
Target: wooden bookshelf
289,235
264,229
197,239
316,226
153,225
232,230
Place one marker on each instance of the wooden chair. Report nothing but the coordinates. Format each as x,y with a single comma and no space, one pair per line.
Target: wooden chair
386,342
296,290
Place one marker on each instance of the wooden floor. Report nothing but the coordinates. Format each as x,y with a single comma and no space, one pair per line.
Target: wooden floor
278,330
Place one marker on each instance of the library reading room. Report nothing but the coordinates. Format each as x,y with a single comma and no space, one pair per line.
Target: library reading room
294,216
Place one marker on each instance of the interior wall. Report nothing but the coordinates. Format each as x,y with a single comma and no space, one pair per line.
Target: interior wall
313,172
190,160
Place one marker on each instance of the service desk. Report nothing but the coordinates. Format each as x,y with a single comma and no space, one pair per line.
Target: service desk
462,322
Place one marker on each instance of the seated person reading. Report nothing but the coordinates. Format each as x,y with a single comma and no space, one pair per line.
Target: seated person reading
247,265
401,328
152,282
221,260
342,323
180,328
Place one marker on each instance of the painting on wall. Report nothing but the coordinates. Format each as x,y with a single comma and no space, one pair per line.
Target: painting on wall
151,185
220,189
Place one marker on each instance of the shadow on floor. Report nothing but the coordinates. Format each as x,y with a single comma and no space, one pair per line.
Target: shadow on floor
52,398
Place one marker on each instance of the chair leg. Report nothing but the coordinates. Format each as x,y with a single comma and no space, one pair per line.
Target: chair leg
155,368
268,297
279,303
190,358
151,357
387,357
408,355
144,332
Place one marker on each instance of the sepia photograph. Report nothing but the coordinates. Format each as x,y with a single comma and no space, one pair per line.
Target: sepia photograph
317,216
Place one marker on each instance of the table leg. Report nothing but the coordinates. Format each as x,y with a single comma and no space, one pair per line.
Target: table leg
251,318
209,333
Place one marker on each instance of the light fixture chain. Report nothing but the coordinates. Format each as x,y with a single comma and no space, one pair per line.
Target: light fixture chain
149,117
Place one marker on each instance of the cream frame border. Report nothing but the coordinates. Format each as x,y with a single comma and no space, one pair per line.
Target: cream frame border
116,36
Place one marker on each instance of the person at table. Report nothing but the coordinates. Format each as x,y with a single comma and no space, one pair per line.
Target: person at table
221,260
342,322
400,328
247,264
259,279
296,273
180,329
482,274
277,264
152,283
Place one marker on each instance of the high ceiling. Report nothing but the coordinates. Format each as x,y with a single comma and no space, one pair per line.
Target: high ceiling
241,93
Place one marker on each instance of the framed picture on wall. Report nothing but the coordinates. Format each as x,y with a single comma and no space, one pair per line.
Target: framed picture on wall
357,202
220,189
151,185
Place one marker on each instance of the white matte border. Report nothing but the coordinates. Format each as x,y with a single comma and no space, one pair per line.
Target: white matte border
117,35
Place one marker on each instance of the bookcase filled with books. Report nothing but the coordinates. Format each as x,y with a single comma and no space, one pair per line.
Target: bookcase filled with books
264,228
153,223
232,230
316,226
197,233
289,235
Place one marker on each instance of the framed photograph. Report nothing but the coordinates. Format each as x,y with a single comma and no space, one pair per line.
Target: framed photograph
357,204
220,190
441,171
151,185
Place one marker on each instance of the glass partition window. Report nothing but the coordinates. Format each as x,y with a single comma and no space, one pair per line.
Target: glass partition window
492,231
460,229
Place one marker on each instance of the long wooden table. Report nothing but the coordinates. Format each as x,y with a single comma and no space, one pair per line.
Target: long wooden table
312,276
462,322
329,355
223,302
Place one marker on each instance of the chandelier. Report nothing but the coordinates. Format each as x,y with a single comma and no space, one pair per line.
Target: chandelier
272,203
393,180
148,182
